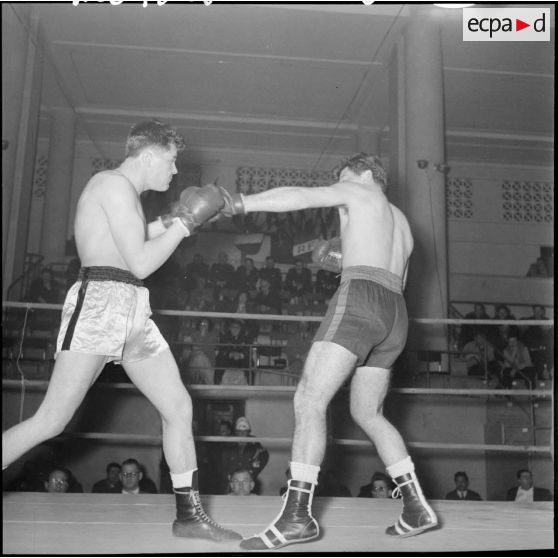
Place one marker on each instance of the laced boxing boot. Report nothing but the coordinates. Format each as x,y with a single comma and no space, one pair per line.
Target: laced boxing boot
417,516
294,524
192,521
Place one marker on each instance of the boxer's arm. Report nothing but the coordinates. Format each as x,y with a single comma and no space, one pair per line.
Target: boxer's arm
155,229
128,230
278,200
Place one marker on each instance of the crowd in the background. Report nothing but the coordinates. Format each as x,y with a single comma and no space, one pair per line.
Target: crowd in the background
510,354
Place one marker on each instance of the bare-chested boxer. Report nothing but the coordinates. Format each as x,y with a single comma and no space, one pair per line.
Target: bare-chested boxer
106,314
363,332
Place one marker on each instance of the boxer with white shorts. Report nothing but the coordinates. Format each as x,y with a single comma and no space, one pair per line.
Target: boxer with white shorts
106,315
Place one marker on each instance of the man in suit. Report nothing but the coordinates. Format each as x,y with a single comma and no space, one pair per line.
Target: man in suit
462,491
525,492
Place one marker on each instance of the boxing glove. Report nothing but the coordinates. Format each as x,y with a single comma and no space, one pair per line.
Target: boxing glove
195,206
327,254
234,204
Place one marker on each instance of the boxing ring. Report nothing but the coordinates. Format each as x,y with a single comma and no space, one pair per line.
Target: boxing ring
101,524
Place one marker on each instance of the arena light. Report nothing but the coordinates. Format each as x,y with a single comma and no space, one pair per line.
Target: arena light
454,5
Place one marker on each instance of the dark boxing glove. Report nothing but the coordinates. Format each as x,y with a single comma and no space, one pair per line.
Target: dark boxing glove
234,204
195,206
327,254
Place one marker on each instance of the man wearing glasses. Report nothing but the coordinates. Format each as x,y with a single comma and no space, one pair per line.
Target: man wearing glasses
241,483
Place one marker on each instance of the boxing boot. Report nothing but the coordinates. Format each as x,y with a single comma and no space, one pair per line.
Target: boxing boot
294,524
417,515
192,521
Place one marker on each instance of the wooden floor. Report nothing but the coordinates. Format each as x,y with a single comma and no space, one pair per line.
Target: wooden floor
58,524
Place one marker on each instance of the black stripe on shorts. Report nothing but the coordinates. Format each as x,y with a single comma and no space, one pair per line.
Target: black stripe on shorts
75,316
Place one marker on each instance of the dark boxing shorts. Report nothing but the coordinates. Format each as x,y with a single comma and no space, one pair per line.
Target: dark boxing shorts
368,316
107,312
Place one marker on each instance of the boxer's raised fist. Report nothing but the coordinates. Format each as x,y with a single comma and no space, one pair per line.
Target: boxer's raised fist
195,206
327,254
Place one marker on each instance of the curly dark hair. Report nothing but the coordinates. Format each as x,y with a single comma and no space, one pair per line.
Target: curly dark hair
361,162
152,133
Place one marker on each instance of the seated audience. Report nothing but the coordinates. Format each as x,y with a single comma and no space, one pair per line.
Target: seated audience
200,365
538,269
194,269
58,481
202,297
525,491
271,274
381,486
250,456
234,351
111,484
242,483
480,357
539,340
517,364
330,485
131,476
221,273
30,480
462,491
267,301
327,283
45,289
468,331
498,335
298,282
246,276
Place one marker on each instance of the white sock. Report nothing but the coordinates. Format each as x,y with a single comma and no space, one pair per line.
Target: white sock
182,480
403,467
303,472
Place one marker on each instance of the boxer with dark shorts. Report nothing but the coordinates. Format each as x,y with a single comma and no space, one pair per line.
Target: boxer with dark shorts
361,336
106,314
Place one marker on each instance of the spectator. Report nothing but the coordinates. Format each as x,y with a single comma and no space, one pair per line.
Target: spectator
327,283
272,274
202,297
462,491
44,289
498,335
111,484
480,357
221,273
468,331
539,340
201,361
381,486
538,269
234,351
241,483
30,479
224,428
267,301
298,282
330,485
131,476
58,481
246,276
196,268
517,364
297,347
251,456
525,492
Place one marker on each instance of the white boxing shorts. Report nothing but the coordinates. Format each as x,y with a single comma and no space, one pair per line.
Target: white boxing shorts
107,312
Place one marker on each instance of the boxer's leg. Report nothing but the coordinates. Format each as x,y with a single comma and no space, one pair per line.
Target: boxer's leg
159,380
72,376
327,366
368,390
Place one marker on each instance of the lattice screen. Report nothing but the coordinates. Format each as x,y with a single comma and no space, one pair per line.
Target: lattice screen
527,202
459,198
250,180
98,164
39,180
